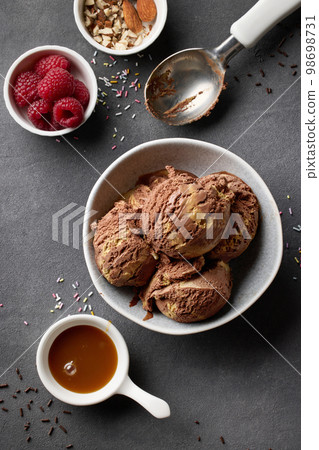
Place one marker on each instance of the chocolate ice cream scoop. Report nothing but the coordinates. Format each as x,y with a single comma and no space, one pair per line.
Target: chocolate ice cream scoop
244,216
182,216
167,272
139,194
122,257
196,298
155,178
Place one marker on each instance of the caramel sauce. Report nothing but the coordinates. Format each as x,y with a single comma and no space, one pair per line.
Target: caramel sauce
83,359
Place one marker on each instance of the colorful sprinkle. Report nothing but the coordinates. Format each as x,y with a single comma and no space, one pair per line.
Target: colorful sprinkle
90,293
25,322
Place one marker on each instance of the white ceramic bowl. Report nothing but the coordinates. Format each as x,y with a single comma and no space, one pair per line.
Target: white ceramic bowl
120,382
80,69
253,271
158,25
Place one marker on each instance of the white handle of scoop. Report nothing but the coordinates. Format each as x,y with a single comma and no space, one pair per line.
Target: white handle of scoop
261,18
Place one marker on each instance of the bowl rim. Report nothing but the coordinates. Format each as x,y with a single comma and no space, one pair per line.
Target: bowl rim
75,398
110,51
29,126
91,265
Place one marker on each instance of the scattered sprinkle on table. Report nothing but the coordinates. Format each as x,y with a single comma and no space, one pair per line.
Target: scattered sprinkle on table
199,439
69,446
28,438
66,412
4,385
62,428
21,412
4,409
25,322
50,431
49,402
45,420
222,440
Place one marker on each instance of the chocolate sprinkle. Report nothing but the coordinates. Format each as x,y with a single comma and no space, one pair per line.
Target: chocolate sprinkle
45,420
258,84
41,407
1,401
293,66
4,409
249,75
196,421
28,406
262,73
56,420
18,391
20,376
49,402
4,385
21,412
222,440
236,79
50,431
269,91
28,438
66,412
62,428
14,396
28,389
294,73
69,446
283,40
199,439
281,64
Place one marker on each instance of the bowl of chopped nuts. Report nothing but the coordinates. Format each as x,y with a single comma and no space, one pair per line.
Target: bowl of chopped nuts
120,27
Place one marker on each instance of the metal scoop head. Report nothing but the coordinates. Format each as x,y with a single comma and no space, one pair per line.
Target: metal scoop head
185,86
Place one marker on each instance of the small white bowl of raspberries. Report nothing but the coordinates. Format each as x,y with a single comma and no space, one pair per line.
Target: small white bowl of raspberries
50,90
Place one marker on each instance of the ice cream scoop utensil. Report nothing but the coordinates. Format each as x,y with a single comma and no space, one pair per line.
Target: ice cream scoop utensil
186,85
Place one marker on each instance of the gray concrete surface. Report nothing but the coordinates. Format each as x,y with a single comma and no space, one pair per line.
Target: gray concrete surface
229,379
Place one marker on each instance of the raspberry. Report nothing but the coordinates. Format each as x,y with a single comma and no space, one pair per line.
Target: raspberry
55,126
40,114
25,88
56,84
68,112
45,64
81,93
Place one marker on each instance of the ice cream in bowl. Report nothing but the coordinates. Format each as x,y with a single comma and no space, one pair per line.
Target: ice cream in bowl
83,360
178,221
